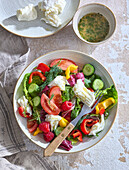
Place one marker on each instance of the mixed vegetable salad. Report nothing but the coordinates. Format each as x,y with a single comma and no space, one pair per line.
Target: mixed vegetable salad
54,95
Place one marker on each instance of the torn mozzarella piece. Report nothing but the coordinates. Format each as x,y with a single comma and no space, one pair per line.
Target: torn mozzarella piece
53,120
52,9
98,126
57,5
59,81
25,104
52,19
85,95
27,13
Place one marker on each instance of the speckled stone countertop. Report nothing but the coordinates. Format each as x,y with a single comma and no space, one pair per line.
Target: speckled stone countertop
113,151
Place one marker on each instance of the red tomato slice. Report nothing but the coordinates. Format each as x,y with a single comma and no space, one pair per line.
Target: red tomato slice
57,96
33,128
30,123
51,108
43,67
63,64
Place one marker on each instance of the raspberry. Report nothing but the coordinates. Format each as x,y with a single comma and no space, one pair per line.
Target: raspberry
48,136
66,105
45,127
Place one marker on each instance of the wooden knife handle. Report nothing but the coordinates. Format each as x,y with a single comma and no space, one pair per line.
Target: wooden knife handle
58,140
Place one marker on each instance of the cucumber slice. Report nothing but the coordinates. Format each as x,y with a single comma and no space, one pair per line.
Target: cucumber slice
36,101
97,84
88,70
33,89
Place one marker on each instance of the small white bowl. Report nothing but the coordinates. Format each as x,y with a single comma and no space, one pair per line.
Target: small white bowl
95,8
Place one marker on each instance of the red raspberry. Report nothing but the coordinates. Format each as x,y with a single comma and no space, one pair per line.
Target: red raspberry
66,105
48,136
45,127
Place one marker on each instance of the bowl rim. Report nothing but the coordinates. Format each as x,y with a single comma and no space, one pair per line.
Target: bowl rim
62,152
99,4
43,35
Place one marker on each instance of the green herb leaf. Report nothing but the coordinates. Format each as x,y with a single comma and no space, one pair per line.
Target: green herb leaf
97,115
59,62
25,88
68,94
53,73
58,130
106,114
80,121
109,92
87,83
37,80
36,115
51,98
75,112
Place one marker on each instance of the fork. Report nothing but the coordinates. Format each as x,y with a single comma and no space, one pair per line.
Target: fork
59,139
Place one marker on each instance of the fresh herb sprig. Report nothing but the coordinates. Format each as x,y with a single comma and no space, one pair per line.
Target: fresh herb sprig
25,88
51,98
51,75
68,94
75,112
36,115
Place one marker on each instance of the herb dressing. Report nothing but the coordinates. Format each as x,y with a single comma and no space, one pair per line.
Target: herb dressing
93,27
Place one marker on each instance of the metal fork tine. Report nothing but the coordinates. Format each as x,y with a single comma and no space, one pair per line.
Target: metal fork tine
98,100
97,92
99,95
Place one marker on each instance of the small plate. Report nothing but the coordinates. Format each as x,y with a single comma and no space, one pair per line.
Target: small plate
80,59
35,28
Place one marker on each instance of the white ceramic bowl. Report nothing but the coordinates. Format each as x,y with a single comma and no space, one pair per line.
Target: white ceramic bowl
35,28
95,8
80,59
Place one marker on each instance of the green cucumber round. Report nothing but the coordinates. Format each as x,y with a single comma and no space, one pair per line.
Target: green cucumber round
33,89
98,84
36,101
88,69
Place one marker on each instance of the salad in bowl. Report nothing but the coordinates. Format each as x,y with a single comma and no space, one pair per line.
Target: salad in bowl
53,95
51,92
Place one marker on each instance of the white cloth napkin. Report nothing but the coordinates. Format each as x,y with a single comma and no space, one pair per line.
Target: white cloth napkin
13,58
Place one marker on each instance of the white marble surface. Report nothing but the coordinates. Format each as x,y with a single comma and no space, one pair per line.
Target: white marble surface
113,151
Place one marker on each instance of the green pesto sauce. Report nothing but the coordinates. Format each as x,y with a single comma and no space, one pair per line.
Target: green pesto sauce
93,27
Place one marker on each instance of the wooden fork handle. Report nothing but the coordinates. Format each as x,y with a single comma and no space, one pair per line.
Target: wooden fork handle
58,140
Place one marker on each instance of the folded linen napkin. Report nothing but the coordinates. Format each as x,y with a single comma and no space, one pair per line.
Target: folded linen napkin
13,58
